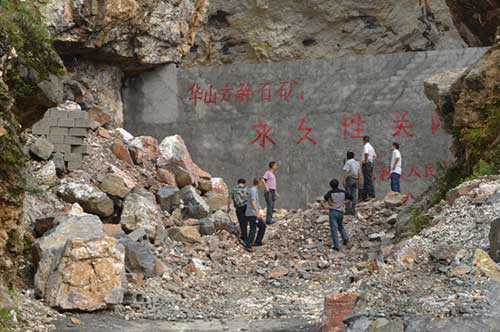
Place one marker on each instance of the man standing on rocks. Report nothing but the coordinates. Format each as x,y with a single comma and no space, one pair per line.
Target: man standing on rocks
239,195
335,198
368,163
352,179
254,216
395,168
270,194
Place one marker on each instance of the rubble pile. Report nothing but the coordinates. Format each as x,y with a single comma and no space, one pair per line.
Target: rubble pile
141,230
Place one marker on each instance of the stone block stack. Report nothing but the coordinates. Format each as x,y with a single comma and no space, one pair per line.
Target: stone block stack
66,127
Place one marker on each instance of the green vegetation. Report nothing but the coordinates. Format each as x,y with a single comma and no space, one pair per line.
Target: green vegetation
6,321
419,220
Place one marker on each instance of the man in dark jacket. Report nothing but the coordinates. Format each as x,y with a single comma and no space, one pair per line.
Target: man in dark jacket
336,198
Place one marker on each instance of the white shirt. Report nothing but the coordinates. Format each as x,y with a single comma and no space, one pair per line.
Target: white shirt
352,166
368,149
396,167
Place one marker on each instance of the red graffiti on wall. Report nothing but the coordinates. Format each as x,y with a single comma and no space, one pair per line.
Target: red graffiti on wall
307,131
263,134
286,88
227,90
210,95
353,126
243,93
196,93
266,92
402,125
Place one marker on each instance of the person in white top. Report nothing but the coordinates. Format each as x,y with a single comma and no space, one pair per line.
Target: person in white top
368,162
395,168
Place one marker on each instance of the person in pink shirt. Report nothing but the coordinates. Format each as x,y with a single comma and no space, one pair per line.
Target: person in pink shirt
270,194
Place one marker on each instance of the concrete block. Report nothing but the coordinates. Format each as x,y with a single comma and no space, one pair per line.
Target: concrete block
65,148
80,132
72,165
58,114
82,149
78,115
75,157
40,128
82,123
58,131
73,140
65,123
56,139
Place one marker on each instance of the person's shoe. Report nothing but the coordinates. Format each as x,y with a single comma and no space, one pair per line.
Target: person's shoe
270,223
335,249
249,249
263,243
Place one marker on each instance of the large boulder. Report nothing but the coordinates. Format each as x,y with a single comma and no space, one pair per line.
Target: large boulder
144,149
168,198
42,148
90,198
48,249
175,157
114,185
394,199
141,211
495,240
185,234
89,276
216,201
194,205
139,257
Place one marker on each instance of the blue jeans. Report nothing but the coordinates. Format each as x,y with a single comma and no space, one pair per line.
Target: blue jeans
395,182
336,224
254,225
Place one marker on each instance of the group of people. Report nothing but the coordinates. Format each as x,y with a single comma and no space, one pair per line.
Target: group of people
357,181
248,209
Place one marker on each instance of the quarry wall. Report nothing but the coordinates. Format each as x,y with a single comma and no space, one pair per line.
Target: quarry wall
304,114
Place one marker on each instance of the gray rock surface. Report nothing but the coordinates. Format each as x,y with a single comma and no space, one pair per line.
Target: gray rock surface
42,148
194,205
90,198
139,257
141,211
168,198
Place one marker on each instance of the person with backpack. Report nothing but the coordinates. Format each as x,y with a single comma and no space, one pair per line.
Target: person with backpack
239,196
336,198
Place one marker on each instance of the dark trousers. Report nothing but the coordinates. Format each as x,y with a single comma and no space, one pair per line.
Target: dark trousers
368,188
351,187
270,197
254,224
395,182
242,220
337,224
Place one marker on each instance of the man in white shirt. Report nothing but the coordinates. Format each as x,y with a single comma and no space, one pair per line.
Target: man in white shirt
352,178
395,167
368,162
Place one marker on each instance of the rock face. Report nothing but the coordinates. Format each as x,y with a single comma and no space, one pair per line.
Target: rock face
89,197
168,198
140,211
494,238
90,275
135,34
139,258
194,205
49,248
270,31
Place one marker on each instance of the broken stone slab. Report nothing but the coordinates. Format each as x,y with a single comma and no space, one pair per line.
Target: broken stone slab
89,276
185,234
168,198
90,198
120,150
207,226
139,257
395,199
141,211
42,148
494,238
194,205
47,250
114,185
138,235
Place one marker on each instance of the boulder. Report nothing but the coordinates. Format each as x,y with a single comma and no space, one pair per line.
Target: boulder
194,205
484,263
139,257
204,185
222,221
124,135
394,199
220,187
42,148
183,176
140,211
494,238
138,235
90,275
168,197
207,226
47,250
216,201
143,149
114,185
99,115
47,174
166,176
120,150
175,157
113,230
337,307
90,198
185,234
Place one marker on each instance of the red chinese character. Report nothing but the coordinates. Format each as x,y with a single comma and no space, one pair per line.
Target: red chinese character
414,172
226,93
263,134
436,123
429,170
353,126
402,125
301,96
196,93
210,96
385,172
307,131
243,93
265,92
286,89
